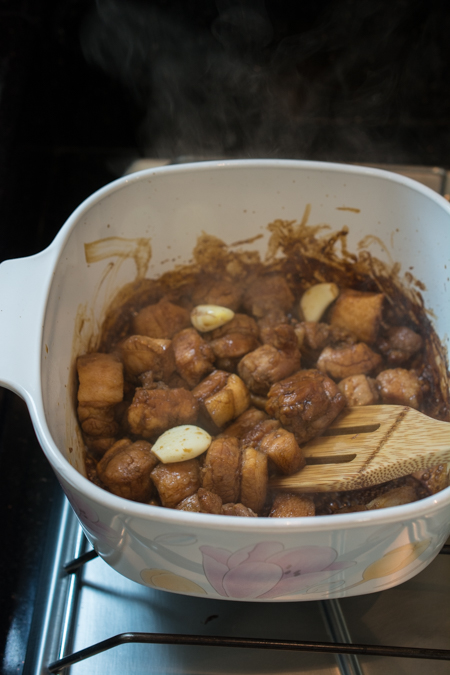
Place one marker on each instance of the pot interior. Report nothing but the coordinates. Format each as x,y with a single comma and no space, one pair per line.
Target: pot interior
167,209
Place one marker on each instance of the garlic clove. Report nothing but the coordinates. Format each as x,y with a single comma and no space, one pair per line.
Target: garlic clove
208,317
317,299
181,443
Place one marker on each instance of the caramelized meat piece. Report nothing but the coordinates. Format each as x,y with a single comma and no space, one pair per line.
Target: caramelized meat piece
236,338
162,320
245,423
209,501
357,359
281,336
141,354
202,502
191,504
292,506
266,365
98,445
98,422
125,470
254,479
359,390
404,494
238,510
305,403
268,293
153,411
400,386
283,450
399,344
222,396
222,292
193,356
176,481
358,312
221,469
100,380
314,336
254,436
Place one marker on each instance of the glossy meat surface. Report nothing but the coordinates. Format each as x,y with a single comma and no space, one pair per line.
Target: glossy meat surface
305,403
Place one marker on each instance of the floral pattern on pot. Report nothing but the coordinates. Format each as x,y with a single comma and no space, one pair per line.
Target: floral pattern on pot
268,570
99,533
169,581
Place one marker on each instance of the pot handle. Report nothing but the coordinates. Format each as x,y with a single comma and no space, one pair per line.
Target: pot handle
24,284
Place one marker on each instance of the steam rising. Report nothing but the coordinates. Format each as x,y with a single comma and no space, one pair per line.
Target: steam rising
340,86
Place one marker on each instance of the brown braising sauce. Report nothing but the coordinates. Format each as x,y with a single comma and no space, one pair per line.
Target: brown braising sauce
302,256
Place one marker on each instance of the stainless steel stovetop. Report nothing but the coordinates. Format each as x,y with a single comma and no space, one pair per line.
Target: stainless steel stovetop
78,610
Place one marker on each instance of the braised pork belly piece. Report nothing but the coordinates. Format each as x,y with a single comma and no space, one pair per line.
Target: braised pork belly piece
305,403
399,344
154,411
359,390
162,320
292,506
400,386
125,470
256,386
194,357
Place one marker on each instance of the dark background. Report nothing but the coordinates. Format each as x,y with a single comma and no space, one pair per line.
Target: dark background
86,87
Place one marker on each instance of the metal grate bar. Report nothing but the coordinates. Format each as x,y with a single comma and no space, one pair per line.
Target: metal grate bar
249,643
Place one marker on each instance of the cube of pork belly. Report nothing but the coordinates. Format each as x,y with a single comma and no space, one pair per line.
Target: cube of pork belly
279,335
176,481
235,339
221,292
358,312
141,354
292,506
100,380
399,344
359,390
98,445
238,510
266,365
125,470
313,337
245,423
221,469
305,403
254,436
268,293
203,501
400,386
193,356
154,411
162,320
283,450
343,362
98,422
254,479
222,397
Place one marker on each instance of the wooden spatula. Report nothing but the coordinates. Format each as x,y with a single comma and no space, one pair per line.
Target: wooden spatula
369,445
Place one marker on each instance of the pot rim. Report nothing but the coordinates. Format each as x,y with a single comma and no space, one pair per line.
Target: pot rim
424,507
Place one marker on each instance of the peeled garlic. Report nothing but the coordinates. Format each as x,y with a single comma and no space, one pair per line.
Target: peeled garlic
181,443
208,317
317,299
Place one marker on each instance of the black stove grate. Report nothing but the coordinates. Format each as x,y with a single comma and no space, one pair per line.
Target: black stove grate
75,566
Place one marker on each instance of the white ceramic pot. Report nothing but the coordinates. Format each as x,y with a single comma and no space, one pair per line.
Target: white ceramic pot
53,302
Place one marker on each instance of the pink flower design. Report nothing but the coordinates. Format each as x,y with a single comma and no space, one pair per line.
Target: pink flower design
98,531
267,570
